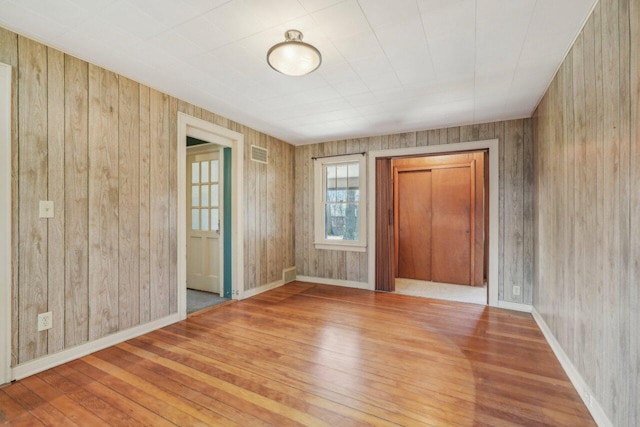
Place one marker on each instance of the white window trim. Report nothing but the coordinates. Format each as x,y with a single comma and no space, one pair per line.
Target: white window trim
319,191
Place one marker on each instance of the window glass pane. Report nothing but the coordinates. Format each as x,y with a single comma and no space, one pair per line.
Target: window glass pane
195,219
204,167
195,173
205,219
341,176
331,177
195,195
353,183
351,222
214,171
215,201
205,195
214,219
341,221
354,170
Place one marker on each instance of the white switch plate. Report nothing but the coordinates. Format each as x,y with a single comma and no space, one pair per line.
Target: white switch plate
516,291
44,321
46,209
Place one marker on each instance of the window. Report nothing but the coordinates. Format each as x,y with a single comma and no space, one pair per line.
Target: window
204,194
340,203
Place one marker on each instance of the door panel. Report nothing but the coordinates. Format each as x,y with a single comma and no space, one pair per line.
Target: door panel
385,248
451,232
414,224
203,235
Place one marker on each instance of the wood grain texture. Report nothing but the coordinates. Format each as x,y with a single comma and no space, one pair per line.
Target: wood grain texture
32,291
634,202
128,203
585,250
76,318
103,202
144,206
55,181
159,204
173,205
514,204
516,145
272,364
385,251
412,223
110,163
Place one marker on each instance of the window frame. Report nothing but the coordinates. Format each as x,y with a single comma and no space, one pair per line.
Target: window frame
320,192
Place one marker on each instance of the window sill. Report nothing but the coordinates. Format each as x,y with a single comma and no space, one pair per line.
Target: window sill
341,247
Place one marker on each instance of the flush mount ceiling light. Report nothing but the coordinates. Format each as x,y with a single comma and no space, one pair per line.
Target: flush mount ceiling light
294,57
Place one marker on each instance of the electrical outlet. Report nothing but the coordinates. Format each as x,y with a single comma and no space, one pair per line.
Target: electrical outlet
516,291
44,321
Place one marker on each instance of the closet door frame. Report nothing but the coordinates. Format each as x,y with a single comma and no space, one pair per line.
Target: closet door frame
494,221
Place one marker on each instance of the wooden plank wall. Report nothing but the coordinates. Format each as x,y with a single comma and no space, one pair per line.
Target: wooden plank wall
102,147
587,210
516,201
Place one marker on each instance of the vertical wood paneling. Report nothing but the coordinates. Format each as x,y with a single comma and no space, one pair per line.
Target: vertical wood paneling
251,219
55,180
623,346
76,178
264,207
103,149
32,292
586,260
270,192
514,204
144,206
159,204
103,202
611,247
128,203
516,142
580,174
173,204
634,207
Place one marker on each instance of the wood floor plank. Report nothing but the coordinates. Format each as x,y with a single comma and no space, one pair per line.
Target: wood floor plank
306,354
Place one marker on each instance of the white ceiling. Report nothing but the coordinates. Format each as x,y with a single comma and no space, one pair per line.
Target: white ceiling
388,65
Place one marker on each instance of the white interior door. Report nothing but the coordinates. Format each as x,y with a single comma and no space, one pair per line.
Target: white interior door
204,241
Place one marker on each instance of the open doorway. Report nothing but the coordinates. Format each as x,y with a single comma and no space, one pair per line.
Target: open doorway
231,144
205,225
439,226
432,225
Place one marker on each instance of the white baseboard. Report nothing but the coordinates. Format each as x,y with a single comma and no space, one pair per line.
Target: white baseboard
526,308
578,382
334,282
264,288
47,362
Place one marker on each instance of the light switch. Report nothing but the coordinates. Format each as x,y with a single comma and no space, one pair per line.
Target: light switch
46,209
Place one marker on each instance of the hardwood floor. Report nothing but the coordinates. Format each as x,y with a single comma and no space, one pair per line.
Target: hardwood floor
316,355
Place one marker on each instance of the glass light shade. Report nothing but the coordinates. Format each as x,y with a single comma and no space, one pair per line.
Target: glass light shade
293,57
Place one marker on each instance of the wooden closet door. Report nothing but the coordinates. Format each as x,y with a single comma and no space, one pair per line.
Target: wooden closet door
413,252
452,225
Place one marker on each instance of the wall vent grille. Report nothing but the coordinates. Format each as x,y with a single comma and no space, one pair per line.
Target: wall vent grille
259,154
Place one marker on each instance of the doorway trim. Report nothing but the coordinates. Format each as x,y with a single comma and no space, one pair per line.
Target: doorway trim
218,135
493,146
5,222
